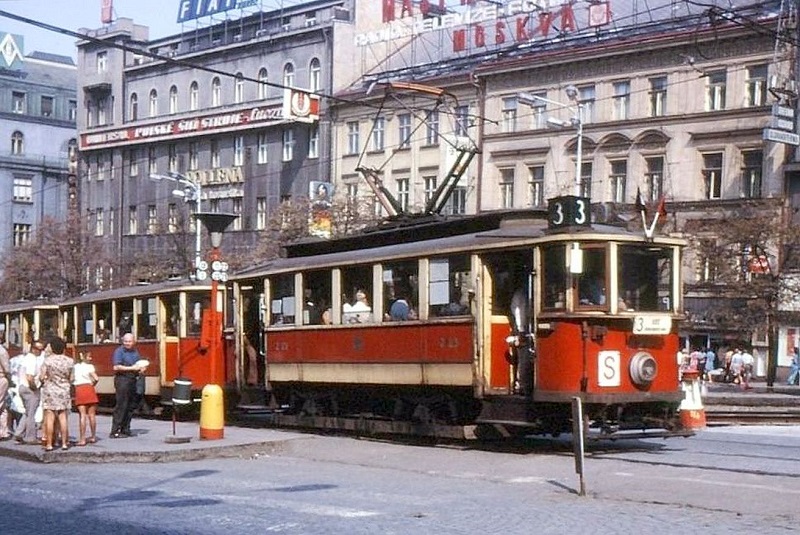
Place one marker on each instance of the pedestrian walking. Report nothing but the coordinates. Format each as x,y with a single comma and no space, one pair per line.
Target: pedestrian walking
794,372
57,372
86,398
5,383
126,371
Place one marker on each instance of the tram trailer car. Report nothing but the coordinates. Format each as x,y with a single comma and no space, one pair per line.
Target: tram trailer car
490,323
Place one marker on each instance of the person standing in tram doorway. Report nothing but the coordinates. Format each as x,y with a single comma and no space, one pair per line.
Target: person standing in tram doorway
519,341
126,371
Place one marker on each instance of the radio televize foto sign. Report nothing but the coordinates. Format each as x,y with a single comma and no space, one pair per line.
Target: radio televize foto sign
196,9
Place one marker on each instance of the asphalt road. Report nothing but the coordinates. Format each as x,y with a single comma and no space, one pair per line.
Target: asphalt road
724,480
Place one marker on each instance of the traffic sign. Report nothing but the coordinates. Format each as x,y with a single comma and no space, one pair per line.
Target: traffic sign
779,136
781,124
782,111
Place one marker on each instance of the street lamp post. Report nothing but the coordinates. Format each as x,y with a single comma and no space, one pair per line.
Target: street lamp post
576,121
192,191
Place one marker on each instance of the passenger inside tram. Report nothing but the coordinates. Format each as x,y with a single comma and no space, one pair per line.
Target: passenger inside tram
360,311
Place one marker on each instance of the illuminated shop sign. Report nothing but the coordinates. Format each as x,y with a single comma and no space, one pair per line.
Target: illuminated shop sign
196,9
191,125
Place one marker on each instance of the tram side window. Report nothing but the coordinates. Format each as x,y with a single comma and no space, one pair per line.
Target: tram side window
645,278
196,304
357,294
85,324
146,320
172,316
103,324
401,290
14,333
69,325
49,326
450,287
125,321
592,286
282,307
554,265
317,298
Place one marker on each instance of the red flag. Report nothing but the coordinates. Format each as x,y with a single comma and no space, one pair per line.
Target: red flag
662,208
639,201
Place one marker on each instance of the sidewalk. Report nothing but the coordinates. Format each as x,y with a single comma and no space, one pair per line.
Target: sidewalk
150,444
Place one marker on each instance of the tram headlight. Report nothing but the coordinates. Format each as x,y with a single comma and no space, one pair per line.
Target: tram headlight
643,368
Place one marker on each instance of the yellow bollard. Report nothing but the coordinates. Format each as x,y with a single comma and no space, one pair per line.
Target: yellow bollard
212,413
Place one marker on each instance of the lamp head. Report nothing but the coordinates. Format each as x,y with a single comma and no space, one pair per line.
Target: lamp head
215,224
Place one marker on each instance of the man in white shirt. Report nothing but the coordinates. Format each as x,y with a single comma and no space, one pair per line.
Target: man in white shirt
748,361
29,385
5,381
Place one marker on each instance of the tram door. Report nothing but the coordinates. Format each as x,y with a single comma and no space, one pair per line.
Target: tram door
506,312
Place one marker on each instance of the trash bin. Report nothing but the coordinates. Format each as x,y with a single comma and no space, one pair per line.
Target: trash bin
182,391
212,413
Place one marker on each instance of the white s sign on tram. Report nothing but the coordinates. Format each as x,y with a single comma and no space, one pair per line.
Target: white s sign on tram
608,368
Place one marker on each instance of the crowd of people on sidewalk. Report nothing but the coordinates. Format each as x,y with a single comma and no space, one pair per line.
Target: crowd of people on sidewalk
736,366
40,387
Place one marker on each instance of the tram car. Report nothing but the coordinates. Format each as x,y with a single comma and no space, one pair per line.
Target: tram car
25,321
491,323
166,319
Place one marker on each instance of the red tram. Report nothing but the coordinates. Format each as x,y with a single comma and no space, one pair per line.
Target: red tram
489,323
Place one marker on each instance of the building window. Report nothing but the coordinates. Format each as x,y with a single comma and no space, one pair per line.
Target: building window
352,137
72,106
102,61
536,185
214,203
753,161
214,151
193,157
462,121
133,163
23,189
194,96
237,210
261,213
172,218
46,106
658,96
432,129
111,222
99,222
18,102
173,99
622,100
509,123
403,192
133,107
404,130
757,85
715,91
263,88
538,112
712,175
153,103
655,177
586,98
216,91
507,188
314,74
133,221
238,150
101,167
22,234
288,75
102,116
618,178
458,201
288,145
152,161
17,143
430,187
152,219
261,156
586,179
173,158
313,142
238,88
378,140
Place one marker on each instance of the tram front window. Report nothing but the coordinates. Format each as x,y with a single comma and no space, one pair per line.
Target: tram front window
592,287
645,278
554,265
196,303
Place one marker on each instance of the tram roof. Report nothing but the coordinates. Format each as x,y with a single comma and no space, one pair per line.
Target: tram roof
508,233
22,306
139,290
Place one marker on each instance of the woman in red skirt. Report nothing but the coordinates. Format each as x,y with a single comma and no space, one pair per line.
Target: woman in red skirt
86,398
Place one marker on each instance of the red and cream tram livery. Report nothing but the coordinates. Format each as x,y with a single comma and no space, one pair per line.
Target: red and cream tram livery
25,321
166,319
498,320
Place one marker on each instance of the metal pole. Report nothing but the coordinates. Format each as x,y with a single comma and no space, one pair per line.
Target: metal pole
579,156
198,230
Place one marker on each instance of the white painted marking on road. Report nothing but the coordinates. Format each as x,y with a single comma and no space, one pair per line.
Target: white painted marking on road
623,474
331,510
749,486
529,479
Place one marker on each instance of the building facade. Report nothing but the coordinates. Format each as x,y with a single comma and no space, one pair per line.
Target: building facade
206,106
37,106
